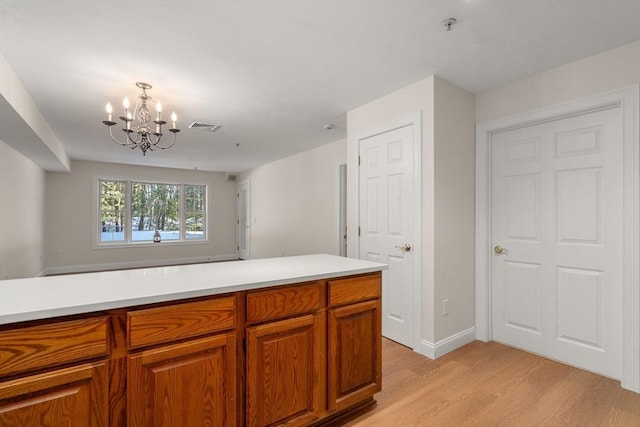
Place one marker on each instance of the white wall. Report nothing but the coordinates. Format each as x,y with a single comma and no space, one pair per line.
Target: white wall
454,136
22,186
70,234
447,195
294,203
609,70
23,126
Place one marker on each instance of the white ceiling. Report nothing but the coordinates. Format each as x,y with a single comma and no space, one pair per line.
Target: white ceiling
274,72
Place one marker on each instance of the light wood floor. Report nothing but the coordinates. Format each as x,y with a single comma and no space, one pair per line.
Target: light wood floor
489,384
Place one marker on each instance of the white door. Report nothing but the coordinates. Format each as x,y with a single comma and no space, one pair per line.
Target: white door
243,220
557,236
386,224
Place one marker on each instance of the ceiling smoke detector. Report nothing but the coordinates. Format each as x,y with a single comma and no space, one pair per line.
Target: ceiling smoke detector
204,126
448,23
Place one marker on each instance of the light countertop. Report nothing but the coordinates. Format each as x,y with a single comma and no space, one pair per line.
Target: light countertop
46,297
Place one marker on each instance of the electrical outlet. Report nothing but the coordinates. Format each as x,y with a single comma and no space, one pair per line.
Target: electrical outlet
445,307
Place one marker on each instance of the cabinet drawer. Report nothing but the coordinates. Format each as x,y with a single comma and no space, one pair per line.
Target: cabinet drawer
43,346
354,289
73,396
178,321
283,302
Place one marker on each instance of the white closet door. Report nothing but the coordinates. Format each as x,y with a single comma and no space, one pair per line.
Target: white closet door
557,236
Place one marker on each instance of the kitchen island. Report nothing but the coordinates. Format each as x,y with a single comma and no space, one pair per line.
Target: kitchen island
291,340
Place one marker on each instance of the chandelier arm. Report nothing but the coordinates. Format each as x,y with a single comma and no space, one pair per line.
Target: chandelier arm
133,141
154,139
173,141
124,144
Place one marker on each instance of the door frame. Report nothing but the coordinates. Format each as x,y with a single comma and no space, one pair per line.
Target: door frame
342,209
246,183
627,100
415,120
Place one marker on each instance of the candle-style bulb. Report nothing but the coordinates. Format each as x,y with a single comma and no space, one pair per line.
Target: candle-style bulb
174,118
109,111
158,107
125,103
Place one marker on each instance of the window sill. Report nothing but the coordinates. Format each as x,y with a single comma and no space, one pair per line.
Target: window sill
122,245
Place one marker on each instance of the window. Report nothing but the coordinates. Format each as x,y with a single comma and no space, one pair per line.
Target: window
155,207
112,205
194,215
133,212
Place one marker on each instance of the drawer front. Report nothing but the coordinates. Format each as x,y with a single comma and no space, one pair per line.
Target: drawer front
178,321
283,302
43,346
355,289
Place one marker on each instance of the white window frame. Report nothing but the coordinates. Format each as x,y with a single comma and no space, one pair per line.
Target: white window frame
128,242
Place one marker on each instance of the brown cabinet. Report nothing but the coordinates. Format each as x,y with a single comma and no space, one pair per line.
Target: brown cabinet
354,341
285,355
354,354
75,396
31,348
189,377
286,371
298,354
187,384
302,369
164,324
46,394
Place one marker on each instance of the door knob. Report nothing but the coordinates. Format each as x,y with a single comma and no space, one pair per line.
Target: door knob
499,250
404,248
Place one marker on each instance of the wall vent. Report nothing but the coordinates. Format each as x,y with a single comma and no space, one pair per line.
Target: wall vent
204,126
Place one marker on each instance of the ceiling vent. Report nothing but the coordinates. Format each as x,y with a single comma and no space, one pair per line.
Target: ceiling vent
204,126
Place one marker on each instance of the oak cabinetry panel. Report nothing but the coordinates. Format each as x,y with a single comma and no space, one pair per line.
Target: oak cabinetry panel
186,384
284,302
355,362
354,289
74,396
286,375
298,355
178,321
43,346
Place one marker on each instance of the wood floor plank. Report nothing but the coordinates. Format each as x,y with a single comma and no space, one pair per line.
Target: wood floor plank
490,384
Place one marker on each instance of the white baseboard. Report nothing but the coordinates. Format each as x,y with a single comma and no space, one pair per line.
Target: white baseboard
86,268
442,347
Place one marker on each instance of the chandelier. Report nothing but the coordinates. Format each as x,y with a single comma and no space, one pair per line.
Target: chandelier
139,131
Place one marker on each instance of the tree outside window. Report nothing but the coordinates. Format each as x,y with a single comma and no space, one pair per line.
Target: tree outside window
112,205
194,216
155,207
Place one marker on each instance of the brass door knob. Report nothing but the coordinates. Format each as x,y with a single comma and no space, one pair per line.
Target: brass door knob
404,248
499,250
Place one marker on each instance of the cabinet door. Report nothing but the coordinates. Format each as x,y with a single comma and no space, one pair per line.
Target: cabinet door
355,360
286,371
75,396
187,384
